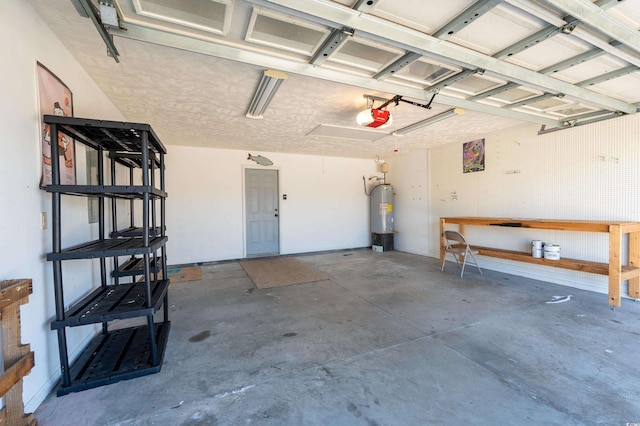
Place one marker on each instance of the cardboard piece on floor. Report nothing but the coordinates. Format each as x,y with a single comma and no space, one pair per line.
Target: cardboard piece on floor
187,273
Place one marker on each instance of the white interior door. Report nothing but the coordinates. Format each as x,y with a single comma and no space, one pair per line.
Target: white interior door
262,215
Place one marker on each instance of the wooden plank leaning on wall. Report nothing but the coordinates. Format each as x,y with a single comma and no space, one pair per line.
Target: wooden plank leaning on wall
17,358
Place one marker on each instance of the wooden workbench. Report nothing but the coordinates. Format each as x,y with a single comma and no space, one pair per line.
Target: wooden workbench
614,269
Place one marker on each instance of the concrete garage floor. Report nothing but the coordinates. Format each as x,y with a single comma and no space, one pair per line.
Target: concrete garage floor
390,340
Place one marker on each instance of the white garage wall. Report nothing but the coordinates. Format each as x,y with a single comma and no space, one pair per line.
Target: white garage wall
586,173
326,208
204,205
410,179
25,39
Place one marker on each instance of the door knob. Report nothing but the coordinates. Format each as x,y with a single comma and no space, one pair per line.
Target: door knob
276,215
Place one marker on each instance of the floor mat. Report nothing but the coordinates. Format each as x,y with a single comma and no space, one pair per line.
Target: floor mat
280,271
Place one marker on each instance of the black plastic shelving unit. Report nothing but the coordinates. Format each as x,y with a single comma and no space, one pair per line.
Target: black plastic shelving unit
114,354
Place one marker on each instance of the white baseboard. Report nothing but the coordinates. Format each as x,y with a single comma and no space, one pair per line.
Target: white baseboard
32,405
38,398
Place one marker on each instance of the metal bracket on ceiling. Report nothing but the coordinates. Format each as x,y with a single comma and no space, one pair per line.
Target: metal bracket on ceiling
331,45
569,27
93,13
581,120
109,14
365,5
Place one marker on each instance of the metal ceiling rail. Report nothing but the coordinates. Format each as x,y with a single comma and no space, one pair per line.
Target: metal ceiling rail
541,12
403,61
609,47
587,115
570,62
339,36
569,124
606,4
535,38
567,63
533,100
465,18
330,45
596,18
184,42
495,91
452,80
415,41
608,76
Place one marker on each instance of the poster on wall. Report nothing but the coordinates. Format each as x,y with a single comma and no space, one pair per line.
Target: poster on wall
55,98
473,156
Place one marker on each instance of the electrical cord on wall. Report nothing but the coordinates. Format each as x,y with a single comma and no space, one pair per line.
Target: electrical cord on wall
364,183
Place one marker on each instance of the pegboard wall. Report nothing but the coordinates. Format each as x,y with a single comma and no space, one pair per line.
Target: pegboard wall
590,172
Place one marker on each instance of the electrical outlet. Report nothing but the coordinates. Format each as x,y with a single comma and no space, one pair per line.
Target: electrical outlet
43,220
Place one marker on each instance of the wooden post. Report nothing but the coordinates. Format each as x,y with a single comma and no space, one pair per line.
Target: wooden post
17,358
634,260
615,265
442,243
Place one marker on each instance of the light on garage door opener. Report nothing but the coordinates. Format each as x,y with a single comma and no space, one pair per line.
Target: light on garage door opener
374,117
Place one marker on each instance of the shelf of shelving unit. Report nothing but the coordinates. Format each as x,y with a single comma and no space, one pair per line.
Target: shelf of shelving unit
120,354
108,191
135,231
135,266
117,355
109,248
114,302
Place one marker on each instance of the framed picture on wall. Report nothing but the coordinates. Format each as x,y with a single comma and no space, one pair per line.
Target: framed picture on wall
473,156
55,98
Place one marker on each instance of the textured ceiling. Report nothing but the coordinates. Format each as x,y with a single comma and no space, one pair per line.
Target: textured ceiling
199,99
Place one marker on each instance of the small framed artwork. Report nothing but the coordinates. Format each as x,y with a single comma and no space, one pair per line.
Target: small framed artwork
473,156
55,98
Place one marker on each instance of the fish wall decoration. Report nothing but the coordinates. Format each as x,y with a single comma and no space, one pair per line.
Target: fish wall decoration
263,161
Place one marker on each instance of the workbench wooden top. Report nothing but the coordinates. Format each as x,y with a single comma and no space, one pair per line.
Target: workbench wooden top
558,224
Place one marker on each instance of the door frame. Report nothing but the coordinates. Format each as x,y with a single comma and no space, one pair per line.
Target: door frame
244,206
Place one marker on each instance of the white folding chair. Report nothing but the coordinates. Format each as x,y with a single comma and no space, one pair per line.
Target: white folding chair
461,251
